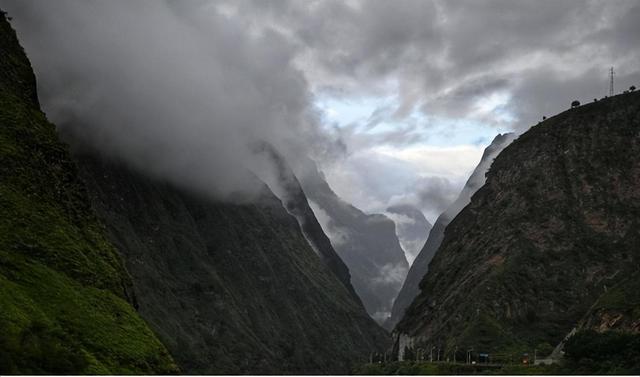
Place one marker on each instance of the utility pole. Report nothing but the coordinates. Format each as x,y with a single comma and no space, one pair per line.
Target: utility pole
611,74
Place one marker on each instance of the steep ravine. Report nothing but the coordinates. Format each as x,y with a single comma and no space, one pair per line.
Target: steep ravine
553,229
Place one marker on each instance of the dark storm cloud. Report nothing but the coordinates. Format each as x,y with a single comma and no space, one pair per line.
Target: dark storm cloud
186,88
182,90
446,56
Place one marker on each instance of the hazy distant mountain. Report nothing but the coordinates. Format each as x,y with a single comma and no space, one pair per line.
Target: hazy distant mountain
420,266
368,244
412,228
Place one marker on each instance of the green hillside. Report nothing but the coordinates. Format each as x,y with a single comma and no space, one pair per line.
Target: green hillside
66,299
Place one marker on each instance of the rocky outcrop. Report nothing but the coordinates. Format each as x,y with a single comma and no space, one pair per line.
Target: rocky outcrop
553,228
229,287
618,308
420,266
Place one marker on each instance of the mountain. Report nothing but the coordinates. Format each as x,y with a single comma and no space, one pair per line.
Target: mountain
420,266
229,287
104,270
551,240
412,228
367,244
67,301
287,187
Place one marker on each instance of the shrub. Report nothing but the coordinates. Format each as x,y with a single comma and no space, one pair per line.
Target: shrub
606,352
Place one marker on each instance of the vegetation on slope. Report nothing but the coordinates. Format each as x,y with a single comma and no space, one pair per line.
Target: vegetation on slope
554,227
66,298
586,352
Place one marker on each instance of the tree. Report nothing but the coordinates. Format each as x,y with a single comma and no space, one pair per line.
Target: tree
632,88
575,104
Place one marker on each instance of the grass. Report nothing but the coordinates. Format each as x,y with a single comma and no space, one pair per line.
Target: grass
66,297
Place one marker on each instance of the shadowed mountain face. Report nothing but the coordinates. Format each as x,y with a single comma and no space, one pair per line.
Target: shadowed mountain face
420,266
229,288
552,237
367,244
412,228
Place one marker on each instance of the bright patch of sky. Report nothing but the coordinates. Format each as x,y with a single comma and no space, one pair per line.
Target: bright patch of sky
394,158
376,116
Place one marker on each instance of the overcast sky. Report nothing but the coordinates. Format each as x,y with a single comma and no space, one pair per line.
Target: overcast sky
395,99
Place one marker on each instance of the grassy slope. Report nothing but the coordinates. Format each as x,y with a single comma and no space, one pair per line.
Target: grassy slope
64,293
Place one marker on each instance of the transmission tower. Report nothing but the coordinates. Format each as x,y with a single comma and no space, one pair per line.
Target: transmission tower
611,74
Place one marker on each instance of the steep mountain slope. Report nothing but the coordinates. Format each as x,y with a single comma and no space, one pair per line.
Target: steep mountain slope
65,297
555,226
229,288
412,228
367,244
287,187
420,266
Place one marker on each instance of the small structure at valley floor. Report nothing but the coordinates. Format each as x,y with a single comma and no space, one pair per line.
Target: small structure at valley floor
575,104
545,361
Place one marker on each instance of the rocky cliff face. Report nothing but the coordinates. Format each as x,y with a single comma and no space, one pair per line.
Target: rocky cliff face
554,227
420,266
367,244
67,303
229,288
618,308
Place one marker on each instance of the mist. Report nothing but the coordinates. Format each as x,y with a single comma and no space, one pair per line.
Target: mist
183,92
395,101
